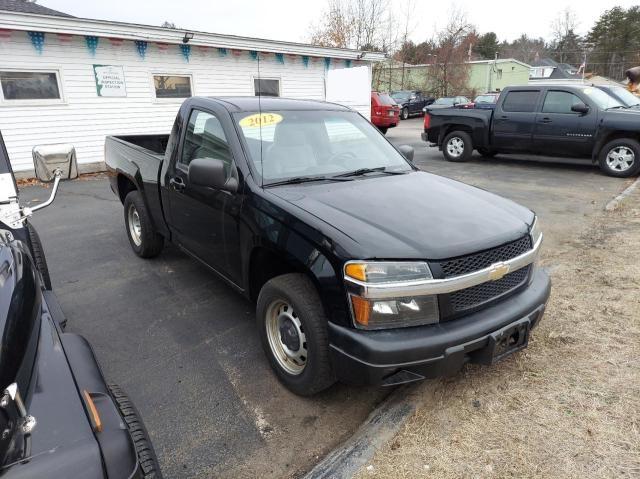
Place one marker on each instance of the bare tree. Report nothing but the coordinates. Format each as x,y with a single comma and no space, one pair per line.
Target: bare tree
450,72
168,24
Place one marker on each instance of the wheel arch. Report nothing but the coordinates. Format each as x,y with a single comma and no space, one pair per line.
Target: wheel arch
611,136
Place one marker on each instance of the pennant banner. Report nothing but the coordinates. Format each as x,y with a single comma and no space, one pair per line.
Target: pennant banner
92,44
162,47
116,42
253,54
305,61
222,52
186,51
64,38
236,53
5,35
347,63
37,40
141,48
327,63
279,58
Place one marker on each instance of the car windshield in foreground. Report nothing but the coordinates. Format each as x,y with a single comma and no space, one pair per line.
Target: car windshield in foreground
628,98
296,146
602,99
444,101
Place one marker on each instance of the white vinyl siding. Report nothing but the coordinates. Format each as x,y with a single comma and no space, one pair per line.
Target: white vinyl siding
83,119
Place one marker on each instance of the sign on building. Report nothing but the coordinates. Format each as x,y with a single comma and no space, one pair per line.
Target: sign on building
110,80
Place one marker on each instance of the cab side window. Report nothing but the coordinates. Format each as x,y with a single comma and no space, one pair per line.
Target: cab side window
205,138
521,101
560,102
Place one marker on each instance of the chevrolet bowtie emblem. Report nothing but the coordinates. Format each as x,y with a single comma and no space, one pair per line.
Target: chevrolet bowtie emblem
498,270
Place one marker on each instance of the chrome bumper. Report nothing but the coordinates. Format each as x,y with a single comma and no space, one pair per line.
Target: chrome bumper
425,287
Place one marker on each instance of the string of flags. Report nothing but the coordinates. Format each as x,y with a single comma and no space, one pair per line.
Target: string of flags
40,39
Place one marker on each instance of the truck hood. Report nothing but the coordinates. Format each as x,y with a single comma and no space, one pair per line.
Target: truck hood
415,215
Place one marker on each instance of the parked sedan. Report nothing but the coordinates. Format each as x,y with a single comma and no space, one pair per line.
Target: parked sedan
486,101
385,113
621,94
447,102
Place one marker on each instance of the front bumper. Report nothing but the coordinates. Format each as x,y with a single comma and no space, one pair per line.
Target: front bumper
389,357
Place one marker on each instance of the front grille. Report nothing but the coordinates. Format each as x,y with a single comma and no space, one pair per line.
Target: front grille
455,304
475,296
476,261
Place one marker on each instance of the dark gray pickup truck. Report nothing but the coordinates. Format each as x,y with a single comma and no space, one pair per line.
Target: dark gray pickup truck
362,267
553,120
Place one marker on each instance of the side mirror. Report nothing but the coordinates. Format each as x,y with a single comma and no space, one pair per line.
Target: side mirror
55,161
407,151
209,172
580,108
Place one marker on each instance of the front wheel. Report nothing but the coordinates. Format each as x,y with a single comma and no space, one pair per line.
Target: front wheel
620,158
404,114
293,331
144,239
457,146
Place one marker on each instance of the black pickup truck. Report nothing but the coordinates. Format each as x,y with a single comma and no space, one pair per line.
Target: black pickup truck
363,268
58,416
554,120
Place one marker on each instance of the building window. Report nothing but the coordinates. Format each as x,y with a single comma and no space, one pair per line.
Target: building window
29,85
172,86
266,87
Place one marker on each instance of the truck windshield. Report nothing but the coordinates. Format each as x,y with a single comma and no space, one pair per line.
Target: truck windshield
294,144
628,98
602,99
400,95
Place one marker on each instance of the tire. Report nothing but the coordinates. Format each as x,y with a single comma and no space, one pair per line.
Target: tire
298,293
383,129
487,153
38,257
147,458
404,114
144,239
620,158
461,146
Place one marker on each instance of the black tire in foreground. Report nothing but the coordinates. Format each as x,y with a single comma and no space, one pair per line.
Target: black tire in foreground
383,129
457,146
293,330
404,114
620,158
144,450
144,239
38,257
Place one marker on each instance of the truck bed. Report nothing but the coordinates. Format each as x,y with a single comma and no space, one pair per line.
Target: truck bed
154,143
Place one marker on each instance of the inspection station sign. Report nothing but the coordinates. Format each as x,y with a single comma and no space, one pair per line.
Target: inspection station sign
110,80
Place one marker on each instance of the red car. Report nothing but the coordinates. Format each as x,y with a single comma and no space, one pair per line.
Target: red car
385,112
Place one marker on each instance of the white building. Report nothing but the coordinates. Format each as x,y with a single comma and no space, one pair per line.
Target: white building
70,80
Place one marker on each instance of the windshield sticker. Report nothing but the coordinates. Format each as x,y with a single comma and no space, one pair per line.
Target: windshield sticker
257,119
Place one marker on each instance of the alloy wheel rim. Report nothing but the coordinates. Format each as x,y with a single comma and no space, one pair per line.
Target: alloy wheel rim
135,228
286,337
455,146
620,158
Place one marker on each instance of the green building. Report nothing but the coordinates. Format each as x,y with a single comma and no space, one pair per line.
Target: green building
482,76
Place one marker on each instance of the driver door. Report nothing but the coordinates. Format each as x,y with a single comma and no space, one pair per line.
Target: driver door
205,220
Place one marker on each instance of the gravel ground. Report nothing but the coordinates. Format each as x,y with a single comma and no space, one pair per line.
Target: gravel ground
565,407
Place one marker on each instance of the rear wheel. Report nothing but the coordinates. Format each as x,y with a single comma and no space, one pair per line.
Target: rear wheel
145,241
147,459
38,257
457,146
404,114
293,331
620,158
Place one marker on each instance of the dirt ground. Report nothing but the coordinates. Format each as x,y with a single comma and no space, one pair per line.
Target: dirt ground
569,405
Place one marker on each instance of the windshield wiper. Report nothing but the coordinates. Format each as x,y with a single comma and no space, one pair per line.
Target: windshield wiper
616,107
364,171
303,179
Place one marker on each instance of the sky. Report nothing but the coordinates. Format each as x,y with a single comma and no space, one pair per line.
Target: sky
290,19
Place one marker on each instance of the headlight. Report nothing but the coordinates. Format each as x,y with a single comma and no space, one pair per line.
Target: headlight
390,312
535,231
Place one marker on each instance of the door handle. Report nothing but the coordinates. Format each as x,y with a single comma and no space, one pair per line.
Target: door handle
504,117
177,183
545,120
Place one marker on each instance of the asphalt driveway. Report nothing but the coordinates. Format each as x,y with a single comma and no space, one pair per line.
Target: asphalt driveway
184,346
